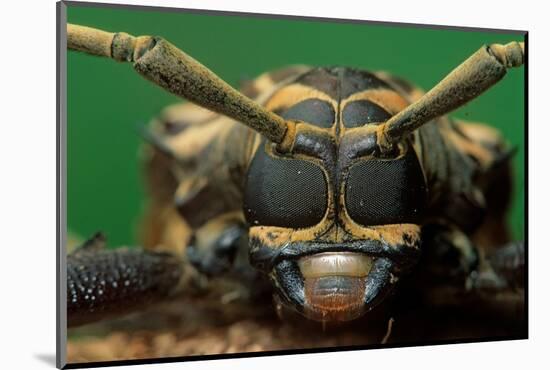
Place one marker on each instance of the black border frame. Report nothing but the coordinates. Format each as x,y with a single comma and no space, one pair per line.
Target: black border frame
61,327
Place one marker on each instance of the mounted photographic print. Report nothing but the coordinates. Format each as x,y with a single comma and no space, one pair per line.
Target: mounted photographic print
239,184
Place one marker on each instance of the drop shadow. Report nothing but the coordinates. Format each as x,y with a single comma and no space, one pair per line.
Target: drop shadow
47,358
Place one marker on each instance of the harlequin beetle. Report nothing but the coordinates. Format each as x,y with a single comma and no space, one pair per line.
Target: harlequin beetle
332,183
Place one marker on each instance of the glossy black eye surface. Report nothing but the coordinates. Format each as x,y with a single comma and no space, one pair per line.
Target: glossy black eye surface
284,192
386,191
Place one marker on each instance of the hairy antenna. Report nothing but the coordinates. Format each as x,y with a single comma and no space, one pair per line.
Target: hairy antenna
167,66
469,80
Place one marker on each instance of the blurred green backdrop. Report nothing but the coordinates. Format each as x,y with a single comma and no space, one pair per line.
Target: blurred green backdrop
108,100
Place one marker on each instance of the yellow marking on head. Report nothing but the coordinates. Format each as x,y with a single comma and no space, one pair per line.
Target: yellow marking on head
277,237
292,94
391,101
393,235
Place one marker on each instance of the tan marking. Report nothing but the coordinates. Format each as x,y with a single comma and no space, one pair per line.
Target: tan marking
387,99
176,233
207,234
172,234
394,235
263,83
276,237
480,132
483,155
190,186
264,96
194,139
272,236
295,93
187,112
416,94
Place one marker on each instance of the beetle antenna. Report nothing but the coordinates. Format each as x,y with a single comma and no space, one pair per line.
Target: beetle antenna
469,80
167,66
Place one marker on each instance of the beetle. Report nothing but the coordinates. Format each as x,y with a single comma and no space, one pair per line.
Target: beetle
325,186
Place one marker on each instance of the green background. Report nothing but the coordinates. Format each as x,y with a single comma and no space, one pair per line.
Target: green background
107,100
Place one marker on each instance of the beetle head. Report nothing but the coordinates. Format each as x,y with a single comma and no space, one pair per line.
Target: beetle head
334,225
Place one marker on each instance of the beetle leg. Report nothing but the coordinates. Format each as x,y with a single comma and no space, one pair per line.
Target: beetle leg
103,283
219,250
449,255
218,256
504,269
462,275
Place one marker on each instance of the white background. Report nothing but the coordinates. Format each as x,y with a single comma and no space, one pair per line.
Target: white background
27,182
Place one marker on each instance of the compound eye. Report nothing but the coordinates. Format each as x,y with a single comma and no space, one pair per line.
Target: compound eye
284,192
386,191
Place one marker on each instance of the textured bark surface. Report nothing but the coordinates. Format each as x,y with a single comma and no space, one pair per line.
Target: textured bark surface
187,327
195,327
